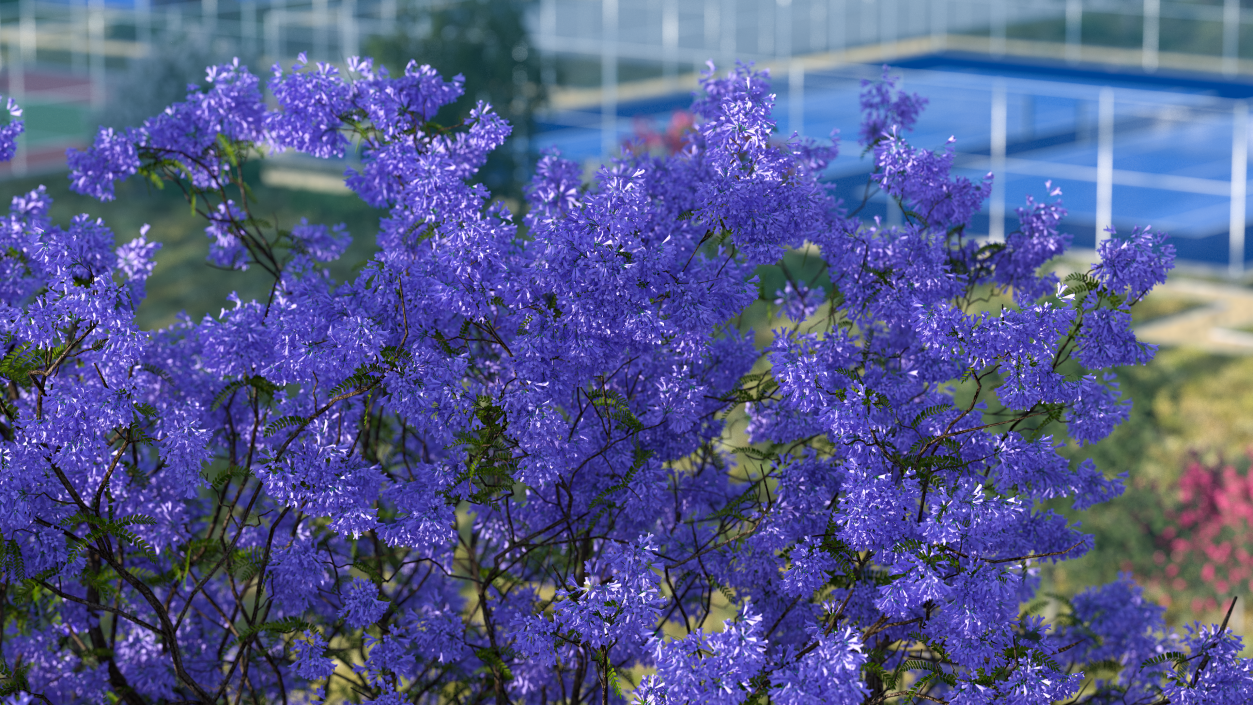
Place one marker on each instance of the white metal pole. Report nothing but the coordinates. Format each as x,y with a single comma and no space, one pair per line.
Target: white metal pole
996,209
730,26
888,24
143,24
273,50
939,24
1074,30
783,28
817,25
17,86
669,37
1104,163
796,97
1239,188
28,36
547,40
837,21
321,29
248,26
1152,28
349,32
997,44
79,36
96,31
609,78
209,16
712,28
765,28
1231,35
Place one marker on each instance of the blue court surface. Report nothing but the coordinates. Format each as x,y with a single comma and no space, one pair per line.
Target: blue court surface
1171,140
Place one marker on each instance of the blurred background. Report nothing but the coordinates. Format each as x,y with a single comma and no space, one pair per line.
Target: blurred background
1137,109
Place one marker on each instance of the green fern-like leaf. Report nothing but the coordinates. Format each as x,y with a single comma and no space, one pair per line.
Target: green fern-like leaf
229,389
363,377
285,422
18,364
1175,656
929,412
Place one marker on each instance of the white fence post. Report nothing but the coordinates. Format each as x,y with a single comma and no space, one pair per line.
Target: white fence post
1104,163
1231,35
609,78
1074,30
96,32
349,31
1239,177
939,24
209,16
18,54
78,35
996,43
321,22
248,26
669,38
1152,28
783,28
837,20
796,97
996,208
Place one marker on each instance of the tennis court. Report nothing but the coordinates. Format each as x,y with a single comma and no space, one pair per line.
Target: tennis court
1126,148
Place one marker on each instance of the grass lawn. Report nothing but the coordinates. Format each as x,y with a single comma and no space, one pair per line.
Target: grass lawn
182,281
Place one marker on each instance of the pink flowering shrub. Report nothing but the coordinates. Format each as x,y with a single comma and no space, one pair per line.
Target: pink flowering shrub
1205,547
649,140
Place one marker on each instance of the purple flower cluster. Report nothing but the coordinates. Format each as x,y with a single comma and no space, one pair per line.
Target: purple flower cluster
526,459
10,131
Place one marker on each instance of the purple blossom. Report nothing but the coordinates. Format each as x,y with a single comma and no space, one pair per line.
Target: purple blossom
323,244
112,157
708,668
828,674
515,457
361,608
311,662
297,575
1132,265
10,131
884,107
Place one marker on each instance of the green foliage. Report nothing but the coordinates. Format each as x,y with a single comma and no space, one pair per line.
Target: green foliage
364,377
285,422
99,528
19,363
246,563
615,407
13,680
603,501
11,562
263,387
490,463
286,625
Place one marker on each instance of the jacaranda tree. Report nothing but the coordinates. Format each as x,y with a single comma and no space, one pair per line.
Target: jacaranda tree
497,466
